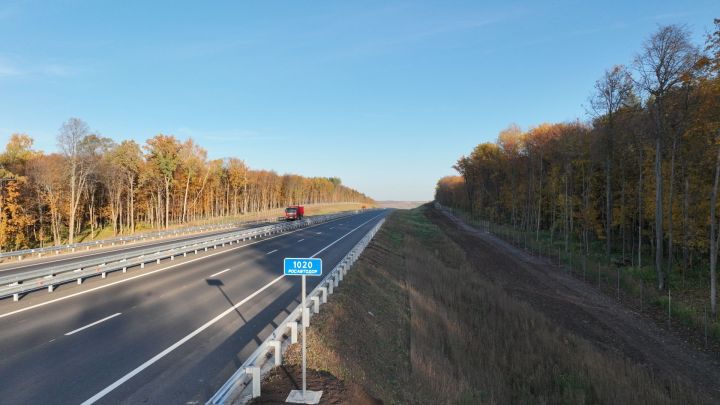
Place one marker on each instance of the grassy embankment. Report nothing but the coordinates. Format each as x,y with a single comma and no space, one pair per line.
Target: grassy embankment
634,285
413,323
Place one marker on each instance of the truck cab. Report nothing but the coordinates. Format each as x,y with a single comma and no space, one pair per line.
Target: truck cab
294,212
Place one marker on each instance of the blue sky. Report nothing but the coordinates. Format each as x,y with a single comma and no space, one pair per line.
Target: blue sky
386,95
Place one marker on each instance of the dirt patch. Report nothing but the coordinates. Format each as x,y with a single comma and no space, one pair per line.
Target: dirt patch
581,309
282,380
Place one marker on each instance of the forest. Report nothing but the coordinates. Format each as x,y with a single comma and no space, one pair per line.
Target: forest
94,183
637,181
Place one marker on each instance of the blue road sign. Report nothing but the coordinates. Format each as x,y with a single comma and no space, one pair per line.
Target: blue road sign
298,266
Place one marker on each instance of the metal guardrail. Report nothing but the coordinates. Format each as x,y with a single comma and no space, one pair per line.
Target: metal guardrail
244,384
16,284
121,240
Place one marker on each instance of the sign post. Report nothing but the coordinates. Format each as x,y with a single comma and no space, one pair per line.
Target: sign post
293,266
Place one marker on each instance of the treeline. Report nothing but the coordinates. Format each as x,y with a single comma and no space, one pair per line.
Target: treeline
640,178
94,182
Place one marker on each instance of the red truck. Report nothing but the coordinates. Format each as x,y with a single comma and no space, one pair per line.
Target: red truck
294,212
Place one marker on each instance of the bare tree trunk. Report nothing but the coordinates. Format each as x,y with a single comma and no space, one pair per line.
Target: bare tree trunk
670,205
659,213
714,237
640,213
71,221
167,203
686,227
608,203
184,210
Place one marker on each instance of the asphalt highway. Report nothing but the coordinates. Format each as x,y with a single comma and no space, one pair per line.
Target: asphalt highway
170,333
13,266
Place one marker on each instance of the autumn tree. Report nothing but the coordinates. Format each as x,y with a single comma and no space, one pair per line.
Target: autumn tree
70,140
612,92
665,57
163,156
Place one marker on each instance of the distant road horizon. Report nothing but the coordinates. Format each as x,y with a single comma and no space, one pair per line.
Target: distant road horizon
400,204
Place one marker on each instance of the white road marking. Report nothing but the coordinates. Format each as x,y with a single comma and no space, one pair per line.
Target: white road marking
332,227
343,237
92,324
42,304
175,345
197,331
219,273
300,240
271,252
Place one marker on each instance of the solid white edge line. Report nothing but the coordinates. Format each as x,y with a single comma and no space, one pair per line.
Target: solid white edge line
197,331
42,304
300,240
175,345
92,324
219,273
271,252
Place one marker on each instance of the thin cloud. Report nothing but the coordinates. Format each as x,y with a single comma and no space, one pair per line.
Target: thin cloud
59,70
227,136
669,16
14,68
8,70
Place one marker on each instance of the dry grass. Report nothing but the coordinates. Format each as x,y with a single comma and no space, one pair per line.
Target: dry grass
310,209
413,323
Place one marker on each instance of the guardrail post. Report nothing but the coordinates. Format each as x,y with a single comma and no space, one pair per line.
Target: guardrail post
316,304
158,261
104,274
79,280
324,292
51,288
330,286
293,331
275,344
336,280
172,257
20,258
124,269
306,317
16,297
254,373
340,273
142,265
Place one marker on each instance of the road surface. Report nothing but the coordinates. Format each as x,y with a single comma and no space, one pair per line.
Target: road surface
13,266
170,333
